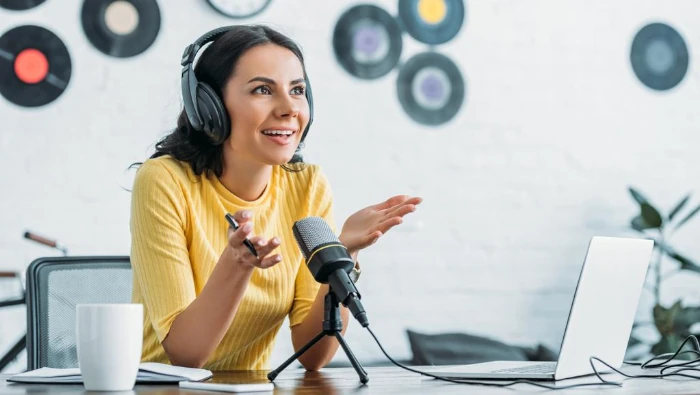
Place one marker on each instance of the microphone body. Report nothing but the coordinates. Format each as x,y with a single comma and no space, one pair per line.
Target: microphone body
329,262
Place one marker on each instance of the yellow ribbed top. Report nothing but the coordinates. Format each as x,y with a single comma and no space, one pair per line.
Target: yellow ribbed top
178,233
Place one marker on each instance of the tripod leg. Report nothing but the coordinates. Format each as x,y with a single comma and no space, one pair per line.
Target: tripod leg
271,376
364,378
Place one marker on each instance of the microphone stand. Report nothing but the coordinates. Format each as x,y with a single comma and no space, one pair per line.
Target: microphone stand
332,325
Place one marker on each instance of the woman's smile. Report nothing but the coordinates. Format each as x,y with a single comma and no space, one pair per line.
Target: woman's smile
281,136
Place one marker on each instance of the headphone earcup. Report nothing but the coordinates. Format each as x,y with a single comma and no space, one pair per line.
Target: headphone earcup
310,100
216,124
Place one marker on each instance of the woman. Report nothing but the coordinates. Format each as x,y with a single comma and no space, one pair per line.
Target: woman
208,301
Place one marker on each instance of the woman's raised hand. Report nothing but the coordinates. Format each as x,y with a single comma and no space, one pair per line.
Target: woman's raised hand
242,254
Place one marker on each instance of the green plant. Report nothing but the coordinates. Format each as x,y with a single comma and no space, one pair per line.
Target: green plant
673,323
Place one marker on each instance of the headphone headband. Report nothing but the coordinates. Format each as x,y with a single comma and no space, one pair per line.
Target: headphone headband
191,51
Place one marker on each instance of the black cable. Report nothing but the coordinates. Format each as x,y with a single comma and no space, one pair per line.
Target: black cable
648,376
648,364
490,384
645,365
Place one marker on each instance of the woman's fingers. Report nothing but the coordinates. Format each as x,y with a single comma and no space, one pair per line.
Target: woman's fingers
236,238
392,201
242,216
265,247
400,211
270,261
372,238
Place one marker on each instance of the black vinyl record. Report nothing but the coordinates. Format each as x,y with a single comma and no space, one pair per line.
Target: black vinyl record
35,67
432,21
431,89
121,28
239,9
367,41
659,56
20,5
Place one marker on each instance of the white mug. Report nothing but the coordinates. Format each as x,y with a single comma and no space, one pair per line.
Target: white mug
109,340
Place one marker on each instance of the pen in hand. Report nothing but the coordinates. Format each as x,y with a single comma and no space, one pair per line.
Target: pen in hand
247,242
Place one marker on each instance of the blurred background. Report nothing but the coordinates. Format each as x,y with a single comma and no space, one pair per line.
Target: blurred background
522,124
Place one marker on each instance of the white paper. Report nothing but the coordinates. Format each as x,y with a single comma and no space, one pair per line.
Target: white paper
148,372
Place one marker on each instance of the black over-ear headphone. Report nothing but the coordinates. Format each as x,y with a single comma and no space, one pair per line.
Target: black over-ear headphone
204,108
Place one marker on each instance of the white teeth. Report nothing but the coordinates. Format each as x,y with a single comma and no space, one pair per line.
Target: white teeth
278,132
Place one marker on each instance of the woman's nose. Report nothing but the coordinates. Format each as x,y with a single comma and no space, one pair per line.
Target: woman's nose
287,107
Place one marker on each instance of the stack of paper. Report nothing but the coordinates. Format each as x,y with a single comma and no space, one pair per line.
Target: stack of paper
149,372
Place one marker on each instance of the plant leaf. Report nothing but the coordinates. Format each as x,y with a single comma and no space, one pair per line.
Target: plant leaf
678,207
664,318
688,217
686,264
684,319
669,344
637,196
639,224
633,341
651,215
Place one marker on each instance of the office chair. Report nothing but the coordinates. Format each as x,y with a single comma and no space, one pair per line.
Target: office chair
55,285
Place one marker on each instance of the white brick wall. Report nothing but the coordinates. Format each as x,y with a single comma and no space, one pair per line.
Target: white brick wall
554,129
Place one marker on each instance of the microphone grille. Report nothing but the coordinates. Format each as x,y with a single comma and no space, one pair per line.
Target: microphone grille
312,232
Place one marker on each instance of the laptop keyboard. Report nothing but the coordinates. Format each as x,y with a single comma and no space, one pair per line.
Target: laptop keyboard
545,367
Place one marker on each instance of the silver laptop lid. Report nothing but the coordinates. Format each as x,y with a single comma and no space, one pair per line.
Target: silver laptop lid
604,305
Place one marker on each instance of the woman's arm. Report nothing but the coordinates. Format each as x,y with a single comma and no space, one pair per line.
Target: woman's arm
198,330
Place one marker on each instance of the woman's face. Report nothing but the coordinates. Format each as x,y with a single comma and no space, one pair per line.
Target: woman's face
265,98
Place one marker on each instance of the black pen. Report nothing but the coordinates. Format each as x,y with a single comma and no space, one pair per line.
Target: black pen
247,242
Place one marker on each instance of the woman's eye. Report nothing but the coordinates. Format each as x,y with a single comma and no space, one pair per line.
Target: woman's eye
262,89
299,90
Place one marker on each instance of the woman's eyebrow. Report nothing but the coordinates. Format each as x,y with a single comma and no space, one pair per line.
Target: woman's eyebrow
272,82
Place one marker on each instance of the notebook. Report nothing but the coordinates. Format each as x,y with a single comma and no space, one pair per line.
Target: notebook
149,372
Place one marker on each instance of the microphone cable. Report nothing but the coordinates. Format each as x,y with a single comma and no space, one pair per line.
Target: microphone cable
680,367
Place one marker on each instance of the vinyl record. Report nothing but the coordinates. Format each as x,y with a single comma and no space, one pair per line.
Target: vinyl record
430,88
367,42
121,28
659,56
432,21
239,9
35,66
19,5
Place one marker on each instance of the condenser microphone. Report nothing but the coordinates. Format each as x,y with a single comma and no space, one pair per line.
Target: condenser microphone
329,262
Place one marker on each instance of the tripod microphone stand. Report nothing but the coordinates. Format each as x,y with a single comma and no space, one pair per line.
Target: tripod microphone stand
332,325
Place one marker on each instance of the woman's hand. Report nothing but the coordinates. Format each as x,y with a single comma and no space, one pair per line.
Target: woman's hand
241,254
366,226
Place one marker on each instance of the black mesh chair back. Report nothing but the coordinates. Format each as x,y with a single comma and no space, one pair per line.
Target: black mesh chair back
55,286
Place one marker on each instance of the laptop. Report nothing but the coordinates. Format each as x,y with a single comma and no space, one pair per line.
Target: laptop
600,319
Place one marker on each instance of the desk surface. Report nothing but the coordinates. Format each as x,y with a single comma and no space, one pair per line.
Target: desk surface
387,380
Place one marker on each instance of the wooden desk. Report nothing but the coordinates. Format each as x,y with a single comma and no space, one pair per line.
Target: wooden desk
387,380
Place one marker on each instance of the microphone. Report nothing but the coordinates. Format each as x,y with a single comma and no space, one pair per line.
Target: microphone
329,262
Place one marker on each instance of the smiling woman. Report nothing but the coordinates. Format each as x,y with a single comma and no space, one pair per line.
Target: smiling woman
208,301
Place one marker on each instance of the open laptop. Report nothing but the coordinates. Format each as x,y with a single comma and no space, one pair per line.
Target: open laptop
600,320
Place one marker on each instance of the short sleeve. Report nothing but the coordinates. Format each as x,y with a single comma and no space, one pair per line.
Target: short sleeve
305,286
159,254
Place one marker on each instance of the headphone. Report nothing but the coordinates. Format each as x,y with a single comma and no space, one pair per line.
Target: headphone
204,108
